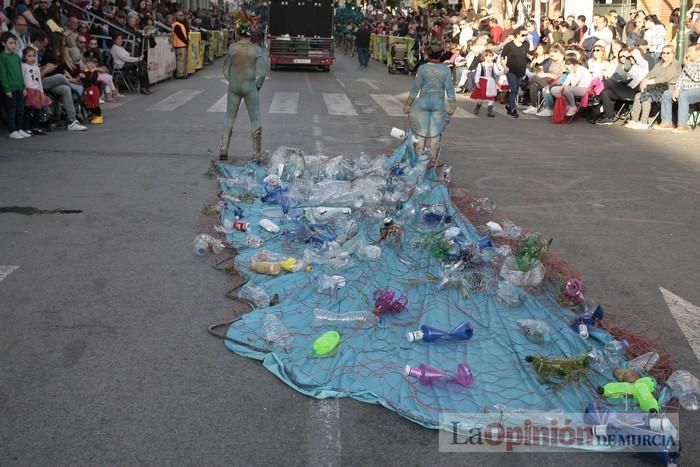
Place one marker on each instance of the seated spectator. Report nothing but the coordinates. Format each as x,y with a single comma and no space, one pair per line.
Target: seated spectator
652,87
643,47
629,74
694,33
21,34
495,31
634,31
598,64
549,73
673,26
533,37
124,61
686,93
53,80
84,31
22,10
41,13
575,85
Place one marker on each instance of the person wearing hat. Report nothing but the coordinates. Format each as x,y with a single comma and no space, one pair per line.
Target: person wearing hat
244,69
426,103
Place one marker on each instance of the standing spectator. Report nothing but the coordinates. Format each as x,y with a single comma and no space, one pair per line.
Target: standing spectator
12,85
514,63
485,86
686,93
124,61
21,34
35,100
180,43
652,88
362,39
655,35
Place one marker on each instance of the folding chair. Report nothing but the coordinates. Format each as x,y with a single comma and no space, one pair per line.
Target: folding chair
694,116
624,110
126,78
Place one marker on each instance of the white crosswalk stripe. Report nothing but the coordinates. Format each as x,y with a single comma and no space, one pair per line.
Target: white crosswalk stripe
175,100
390,104
285,103
219,105
339,104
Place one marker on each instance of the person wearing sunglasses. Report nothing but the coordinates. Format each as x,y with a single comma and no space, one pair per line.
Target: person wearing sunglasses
652,87
599,65
632,69
686,93
514,61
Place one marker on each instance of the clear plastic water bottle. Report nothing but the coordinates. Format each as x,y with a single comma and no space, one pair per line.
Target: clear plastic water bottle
686,388
614,352
644,362
276,332
201,244
322,316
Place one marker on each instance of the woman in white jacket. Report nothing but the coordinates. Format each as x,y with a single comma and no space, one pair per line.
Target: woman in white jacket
655,35
575,85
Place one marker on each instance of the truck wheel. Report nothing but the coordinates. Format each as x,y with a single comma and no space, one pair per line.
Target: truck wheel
326,68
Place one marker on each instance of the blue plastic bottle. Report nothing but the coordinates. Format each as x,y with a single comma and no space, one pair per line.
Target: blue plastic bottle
463,331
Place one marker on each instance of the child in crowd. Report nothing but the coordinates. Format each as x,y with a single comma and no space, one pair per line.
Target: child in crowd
35,100
485,86
91,92
12,85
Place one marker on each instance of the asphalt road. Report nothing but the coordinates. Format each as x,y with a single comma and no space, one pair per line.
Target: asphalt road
104,354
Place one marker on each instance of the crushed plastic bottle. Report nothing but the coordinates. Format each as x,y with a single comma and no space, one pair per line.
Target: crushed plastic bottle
276,332
369,253
255,295
330,284
686,388
535,330
614,352
508,294
323,316
644,362
268,225
253,241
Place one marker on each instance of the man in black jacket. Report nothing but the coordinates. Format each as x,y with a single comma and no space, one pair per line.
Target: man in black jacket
514,61
362,44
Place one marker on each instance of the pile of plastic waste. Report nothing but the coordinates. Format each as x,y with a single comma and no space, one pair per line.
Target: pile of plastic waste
385,293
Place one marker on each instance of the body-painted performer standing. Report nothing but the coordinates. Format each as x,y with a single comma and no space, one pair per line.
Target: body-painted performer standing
428,114
244,69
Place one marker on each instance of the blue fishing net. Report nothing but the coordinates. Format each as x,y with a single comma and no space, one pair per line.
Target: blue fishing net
368,365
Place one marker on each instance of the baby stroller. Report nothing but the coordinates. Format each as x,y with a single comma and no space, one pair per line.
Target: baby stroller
399,60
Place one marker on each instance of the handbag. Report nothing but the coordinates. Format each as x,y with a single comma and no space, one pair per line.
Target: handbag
559,110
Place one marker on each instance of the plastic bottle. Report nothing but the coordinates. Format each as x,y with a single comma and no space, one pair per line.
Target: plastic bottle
255,295
201,244
369,253
253,241
265,267
614,352
330,284
464,375
276,332
322,316
686,388
268,225
425,374
463,331
535,330
622,421
644,362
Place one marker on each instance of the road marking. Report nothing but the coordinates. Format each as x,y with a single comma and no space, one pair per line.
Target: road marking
6,271
339,104
285,103
324,433
368,82
308,83
461,113
176,100
688,317
390,104
220,105
342,85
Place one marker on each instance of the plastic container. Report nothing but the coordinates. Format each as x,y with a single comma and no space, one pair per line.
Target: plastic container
201,244
330,284
253,241
425,374
618,422
369,253
644,362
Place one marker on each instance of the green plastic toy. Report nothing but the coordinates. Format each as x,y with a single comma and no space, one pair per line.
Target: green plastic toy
642,390
327,343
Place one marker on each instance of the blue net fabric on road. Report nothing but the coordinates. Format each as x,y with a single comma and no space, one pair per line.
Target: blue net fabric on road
411,256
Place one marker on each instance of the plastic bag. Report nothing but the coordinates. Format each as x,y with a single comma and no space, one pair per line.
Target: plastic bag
330,284
508,294
369,253
686,388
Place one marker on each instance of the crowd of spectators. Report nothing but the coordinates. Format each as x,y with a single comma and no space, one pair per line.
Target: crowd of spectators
65,52
593,65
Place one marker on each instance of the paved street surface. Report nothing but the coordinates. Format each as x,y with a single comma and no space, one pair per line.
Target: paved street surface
104,353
